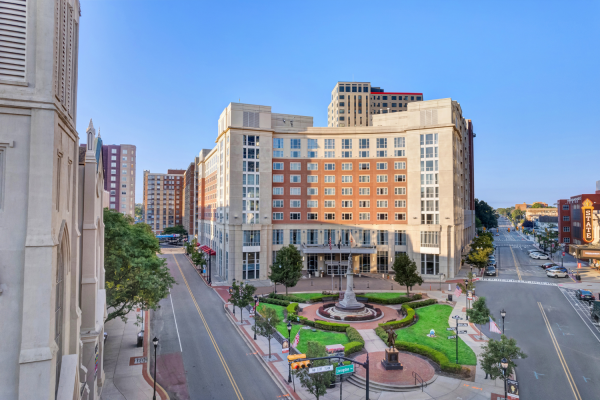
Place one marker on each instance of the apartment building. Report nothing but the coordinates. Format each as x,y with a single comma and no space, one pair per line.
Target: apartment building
403,184
190,201
355,103
163,199
119,171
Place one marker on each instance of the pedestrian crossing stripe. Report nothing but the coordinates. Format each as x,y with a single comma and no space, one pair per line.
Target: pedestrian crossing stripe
518,281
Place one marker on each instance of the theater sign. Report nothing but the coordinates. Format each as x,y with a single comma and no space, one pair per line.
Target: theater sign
587,211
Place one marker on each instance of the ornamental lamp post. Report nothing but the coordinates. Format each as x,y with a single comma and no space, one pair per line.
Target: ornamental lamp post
289,328
255,311
504,365
503,314
155,342
467,296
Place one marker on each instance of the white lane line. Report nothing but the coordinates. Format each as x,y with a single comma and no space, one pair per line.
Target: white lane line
579,313
176,327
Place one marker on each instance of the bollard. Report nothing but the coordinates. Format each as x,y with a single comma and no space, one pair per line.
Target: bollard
367,284
392,286
311,282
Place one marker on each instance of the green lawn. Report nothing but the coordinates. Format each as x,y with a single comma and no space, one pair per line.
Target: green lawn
436,317
385,295
323,337
306,296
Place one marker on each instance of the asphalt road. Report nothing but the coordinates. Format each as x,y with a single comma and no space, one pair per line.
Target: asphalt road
549,324
216,361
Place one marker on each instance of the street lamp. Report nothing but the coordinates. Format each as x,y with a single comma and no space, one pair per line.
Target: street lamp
289,327
155,342
441,274
504,365
503,314
467,296
255,311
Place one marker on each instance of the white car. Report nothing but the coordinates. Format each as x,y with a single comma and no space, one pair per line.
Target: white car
539,256
557,272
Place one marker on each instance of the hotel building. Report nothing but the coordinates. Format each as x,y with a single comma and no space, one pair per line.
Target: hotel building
190,202
163,199
119,171
403,184
355,103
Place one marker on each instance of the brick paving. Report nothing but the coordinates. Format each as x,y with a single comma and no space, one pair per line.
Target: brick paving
377,373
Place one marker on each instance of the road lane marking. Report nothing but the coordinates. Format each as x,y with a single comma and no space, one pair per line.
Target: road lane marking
560,354
212,339
516,264
176,327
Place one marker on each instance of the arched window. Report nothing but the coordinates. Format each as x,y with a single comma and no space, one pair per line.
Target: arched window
62,260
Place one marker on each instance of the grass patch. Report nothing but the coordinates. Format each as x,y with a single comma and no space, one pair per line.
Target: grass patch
323,337
436,317
384,295
307,296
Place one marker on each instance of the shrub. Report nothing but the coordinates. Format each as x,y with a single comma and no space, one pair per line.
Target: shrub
353,335
337,317
423,303
361,318
306,321
319,298
410,313
353,347
292,308
434,355
381,333
377,313
331,326
395,300
269,300
290,298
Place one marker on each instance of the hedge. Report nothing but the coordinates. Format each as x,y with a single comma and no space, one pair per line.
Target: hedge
395,300
269,300
410,313
306,321
331,326
353,347
436,356
319,298
423,303
292,308
290,298
353,335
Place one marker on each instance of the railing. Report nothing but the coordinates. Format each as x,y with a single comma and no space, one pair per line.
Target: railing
418,378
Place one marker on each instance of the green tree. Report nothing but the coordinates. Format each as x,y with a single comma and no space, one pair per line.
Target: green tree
517,215
175,229
406,272
266,324
496,350
316,384
135,276
241,296
537,205
486,214
479,313
287,268
479,257
139,207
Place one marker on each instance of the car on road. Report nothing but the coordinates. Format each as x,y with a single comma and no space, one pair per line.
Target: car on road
497,234
539,256
559,272
548,265
585,295
533,251
492,261
490,271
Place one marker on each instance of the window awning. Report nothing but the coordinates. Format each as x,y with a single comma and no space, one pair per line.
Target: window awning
208,250
324,249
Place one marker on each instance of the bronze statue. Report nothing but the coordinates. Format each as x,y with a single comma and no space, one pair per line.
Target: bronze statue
391,341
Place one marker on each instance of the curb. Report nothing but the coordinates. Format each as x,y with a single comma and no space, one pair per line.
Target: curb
146,371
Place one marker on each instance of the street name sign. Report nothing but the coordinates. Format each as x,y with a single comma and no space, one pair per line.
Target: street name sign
463,324
450,329
451,337
461,332
324,368
344,369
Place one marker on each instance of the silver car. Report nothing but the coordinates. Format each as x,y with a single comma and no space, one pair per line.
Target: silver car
557,272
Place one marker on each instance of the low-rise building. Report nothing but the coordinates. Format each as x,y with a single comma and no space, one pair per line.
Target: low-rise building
533,214
571,218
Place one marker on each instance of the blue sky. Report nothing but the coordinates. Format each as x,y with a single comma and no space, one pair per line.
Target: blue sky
157,74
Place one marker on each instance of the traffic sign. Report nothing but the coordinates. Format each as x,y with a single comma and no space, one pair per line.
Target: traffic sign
563,253
344,369
451,337
463,324
450,329
324,368
462,332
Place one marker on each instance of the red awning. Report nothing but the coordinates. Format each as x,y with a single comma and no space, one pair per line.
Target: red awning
208,250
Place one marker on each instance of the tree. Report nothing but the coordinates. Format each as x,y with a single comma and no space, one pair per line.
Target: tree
479,313
316,384
241,296
139,207
517,215
135,276
290,261
406,272
175,229
479,257
266,324
486,214
496,350
537,205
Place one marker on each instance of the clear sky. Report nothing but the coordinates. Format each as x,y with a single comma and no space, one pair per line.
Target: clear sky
157,74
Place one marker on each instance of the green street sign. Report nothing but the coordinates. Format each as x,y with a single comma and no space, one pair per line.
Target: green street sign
344,369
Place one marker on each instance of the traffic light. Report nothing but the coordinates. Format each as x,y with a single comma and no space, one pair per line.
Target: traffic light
301,364
296,357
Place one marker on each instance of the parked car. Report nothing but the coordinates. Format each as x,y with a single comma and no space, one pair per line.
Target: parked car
533,251
539,256
548,265
559,272
585,295
490,271
492,261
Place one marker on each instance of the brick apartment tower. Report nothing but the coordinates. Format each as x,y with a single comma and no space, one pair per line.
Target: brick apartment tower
119,170
163,199
190,205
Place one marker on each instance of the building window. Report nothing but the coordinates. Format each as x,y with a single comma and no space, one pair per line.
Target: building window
251,267
430,264
364,191
400,216
312,236
312,167
346,216
295,216
566,229
295,236
399,191
277,236
346,203
277,216
251,238
277,203
278,178
400,165
329,216
382,165
382,216
364,216
294,203
382,261
329,191
278,191
329,203
346,191
329,179
430,239
401,178
346,178
565,207
346,144
566,218
277,166
312,144
382,178
400,238
312,203
329,144
346,166
566,240
294,143
329,167
382,203
311,216
311,191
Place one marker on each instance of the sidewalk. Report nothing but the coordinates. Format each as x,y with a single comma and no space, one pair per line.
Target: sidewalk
125,364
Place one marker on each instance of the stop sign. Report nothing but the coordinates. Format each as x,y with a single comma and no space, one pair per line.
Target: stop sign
563,253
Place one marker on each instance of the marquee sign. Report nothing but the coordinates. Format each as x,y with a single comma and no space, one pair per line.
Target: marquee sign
587,211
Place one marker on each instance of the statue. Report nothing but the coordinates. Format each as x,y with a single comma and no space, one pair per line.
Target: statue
391,340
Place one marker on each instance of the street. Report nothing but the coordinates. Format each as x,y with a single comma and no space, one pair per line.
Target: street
204,355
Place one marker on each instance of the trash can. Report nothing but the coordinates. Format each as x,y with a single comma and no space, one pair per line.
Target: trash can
140,339
578,277
450,297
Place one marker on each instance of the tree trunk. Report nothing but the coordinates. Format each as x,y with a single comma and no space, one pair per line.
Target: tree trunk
286,290
269,347
407,291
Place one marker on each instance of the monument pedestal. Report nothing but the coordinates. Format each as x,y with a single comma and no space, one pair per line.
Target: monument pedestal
390,362
349,302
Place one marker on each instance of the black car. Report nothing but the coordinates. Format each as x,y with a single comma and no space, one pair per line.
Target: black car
584,295
548,265
490,271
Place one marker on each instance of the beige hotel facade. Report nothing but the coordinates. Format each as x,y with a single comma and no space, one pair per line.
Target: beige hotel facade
400,185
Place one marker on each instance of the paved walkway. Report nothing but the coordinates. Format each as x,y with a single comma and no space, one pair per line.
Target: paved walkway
125,363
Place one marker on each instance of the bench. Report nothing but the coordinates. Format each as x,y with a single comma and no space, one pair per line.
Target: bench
324,299
362,299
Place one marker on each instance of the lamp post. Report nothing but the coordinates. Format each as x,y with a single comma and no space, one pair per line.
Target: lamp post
155,342
289,327
467,296
255,311
503,314
504,365
441,274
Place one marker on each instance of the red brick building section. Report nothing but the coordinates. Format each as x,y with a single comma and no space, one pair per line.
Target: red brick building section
570,219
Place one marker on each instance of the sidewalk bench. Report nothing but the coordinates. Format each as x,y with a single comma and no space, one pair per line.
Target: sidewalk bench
362,299
324,299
